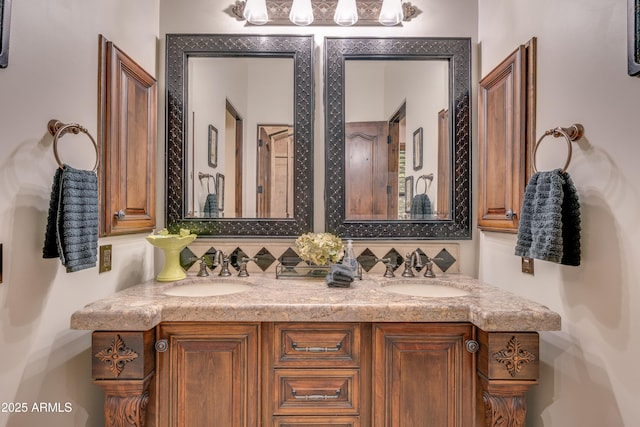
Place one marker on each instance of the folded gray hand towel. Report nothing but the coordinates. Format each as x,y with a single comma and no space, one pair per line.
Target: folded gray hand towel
72,223
549,226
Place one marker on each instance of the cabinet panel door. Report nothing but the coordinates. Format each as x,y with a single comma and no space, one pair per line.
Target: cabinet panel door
208,376
502,137
422,375
128,110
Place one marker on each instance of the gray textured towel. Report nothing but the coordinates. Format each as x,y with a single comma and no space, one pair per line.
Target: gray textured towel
72,224
211,206
420,207
339,276
550,219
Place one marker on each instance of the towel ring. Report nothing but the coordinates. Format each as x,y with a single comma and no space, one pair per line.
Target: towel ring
58,129
428,179
570,134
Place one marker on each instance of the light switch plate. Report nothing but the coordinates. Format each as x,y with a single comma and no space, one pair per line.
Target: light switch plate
527,265
105,258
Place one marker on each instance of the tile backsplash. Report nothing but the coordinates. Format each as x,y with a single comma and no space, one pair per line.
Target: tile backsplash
267,255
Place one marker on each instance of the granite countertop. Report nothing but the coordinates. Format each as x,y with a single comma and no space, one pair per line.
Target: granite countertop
144,306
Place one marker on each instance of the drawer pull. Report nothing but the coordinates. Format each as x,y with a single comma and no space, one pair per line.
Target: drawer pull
316,349
316,396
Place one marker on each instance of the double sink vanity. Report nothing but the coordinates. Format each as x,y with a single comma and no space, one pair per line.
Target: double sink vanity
286,352
260,351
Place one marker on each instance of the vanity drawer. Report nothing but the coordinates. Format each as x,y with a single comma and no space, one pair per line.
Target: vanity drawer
316,421
317,345
316,392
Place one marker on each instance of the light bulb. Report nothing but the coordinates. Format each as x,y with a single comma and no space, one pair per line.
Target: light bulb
391,12
301,12
255,12
346,13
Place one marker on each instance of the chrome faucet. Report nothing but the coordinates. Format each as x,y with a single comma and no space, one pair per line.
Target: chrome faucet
388,272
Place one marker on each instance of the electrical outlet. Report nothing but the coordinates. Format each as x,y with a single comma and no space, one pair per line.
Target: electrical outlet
527,265
105,258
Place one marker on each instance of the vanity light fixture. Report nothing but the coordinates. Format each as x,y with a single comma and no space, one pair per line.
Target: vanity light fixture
255,12
323,12
391,12
301,12
346,13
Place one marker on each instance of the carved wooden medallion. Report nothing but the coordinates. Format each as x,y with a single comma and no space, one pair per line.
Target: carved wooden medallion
514,356
117,356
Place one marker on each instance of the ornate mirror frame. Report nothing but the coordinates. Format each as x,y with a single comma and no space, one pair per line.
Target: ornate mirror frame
458,52
179,48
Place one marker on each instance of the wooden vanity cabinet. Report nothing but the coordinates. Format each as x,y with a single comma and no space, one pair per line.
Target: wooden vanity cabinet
423,375
315,374
208,375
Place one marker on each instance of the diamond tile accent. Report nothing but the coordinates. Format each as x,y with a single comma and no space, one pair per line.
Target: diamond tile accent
289,258
264,259
236,258
367,260
209,256
444,260
187,258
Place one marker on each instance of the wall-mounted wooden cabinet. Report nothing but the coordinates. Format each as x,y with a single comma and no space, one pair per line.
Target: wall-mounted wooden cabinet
127,124
506,136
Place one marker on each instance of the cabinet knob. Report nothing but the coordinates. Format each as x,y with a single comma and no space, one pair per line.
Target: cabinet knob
162,346
472,346
511,214
119,215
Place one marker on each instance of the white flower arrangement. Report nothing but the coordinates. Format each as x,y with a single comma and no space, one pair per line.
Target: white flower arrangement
320,248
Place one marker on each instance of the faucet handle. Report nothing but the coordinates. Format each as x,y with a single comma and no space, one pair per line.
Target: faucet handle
243,266
388,272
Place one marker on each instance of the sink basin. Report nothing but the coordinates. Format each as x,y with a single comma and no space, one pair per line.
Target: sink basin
424,289
212,289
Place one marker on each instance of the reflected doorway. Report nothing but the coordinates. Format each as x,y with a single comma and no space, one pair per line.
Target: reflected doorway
234,136
274,186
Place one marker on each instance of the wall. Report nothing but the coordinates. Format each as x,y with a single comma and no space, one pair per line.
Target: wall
454,18
589,369
52,73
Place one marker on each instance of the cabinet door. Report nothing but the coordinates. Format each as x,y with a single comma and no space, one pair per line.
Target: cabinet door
422,375
208,376
128,137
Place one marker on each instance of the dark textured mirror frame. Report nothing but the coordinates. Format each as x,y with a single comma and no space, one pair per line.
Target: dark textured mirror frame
179,48
458,52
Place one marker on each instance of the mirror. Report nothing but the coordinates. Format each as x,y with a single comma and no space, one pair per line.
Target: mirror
398,157
239,151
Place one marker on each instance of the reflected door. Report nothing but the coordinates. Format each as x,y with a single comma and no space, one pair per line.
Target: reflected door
274,198
367,179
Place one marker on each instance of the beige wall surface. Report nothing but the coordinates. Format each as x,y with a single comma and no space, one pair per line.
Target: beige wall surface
589,369
52,73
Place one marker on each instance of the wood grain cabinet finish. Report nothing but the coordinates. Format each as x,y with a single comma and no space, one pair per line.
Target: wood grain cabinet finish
209,375
506,131
316,374
128,115
423,372
252,374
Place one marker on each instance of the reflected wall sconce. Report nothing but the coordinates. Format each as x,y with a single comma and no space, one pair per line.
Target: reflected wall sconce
323,12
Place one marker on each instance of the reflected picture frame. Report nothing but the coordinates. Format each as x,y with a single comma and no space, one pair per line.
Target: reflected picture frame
633,37
213,146
220,191
5,18
417,149
408,193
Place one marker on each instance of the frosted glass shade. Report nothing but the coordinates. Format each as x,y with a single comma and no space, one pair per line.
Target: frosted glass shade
346,13
391,12
255,12
301,12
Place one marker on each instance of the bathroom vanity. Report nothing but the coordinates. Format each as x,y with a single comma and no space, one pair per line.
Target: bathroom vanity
260,351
